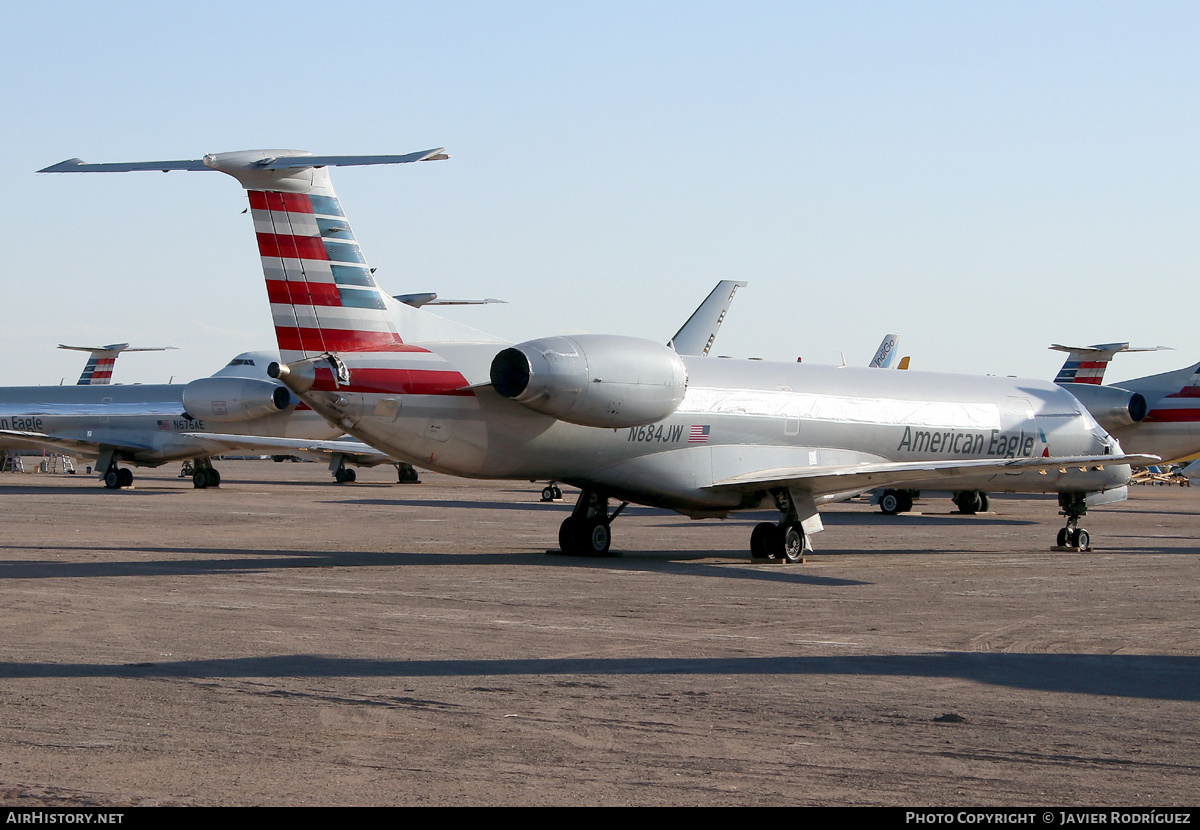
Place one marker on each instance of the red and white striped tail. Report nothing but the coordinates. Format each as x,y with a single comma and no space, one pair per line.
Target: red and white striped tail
323,297
98,371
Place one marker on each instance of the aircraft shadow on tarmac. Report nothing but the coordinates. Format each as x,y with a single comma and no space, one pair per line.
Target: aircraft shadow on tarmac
242,560
1159,677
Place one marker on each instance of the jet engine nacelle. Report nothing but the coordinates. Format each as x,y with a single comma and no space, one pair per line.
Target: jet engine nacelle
234,399
1111,406
593,380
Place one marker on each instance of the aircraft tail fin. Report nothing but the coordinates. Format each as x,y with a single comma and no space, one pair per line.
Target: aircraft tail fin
1190,389
886,353
1086,364
99,368
696,336
323,295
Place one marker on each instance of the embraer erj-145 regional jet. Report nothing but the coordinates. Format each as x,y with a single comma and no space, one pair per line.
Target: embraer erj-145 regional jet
623,418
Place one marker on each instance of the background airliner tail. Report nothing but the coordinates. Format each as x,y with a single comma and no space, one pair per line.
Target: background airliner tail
99,368
1086,364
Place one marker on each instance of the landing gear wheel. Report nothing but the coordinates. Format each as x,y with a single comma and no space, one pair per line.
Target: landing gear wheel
969,502
760,541
985,504
592,538
566,535
793,543
547,494
906,501
889,502
1081,539
214,477
584,537
200,479
556,490
124,477
1063,537
344,476
112,479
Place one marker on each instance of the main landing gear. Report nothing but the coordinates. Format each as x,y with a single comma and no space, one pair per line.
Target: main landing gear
117,477
341,473
787,541
204,474
551,492
971,502
896,501
586,531
1074,507
406,473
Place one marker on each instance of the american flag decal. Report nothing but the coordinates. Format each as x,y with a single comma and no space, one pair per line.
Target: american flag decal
699,434
164,425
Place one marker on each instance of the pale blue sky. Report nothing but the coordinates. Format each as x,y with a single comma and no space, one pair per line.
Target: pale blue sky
984,179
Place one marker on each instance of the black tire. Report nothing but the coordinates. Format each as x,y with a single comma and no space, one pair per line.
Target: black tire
906,501
1081,539
214,477
985,504
547,494
124,477
592,537
760,540
341,475
112,480
556,491
793,543
968,502
566,535
889,502
1063,537
351,476
200,479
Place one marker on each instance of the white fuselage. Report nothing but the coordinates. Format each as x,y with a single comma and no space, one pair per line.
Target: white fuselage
737,417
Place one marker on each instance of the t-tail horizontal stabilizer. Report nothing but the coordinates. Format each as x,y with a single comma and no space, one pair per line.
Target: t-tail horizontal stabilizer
258,159
1086,364
99,368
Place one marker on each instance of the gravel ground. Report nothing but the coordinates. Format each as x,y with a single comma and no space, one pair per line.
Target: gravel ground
285,640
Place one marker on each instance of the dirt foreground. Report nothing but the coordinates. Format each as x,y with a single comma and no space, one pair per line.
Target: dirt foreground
285,640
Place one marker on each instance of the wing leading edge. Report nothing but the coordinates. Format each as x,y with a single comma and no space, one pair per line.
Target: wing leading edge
824,481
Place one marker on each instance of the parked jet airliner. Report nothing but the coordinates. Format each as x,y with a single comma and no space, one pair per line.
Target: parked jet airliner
624,418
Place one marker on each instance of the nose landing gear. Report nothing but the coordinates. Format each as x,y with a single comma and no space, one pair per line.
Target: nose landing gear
1074,507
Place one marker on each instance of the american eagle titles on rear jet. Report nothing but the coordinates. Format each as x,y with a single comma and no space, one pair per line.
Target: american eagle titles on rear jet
454,399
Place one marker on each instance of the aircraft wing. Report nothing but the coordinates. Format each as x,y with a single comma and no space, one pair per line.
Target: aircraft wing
824,481
64,444
361,453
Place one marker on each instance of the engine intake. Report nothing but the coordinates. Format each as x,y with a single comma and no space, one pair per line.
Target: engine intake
593,380
1111,406
224,400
